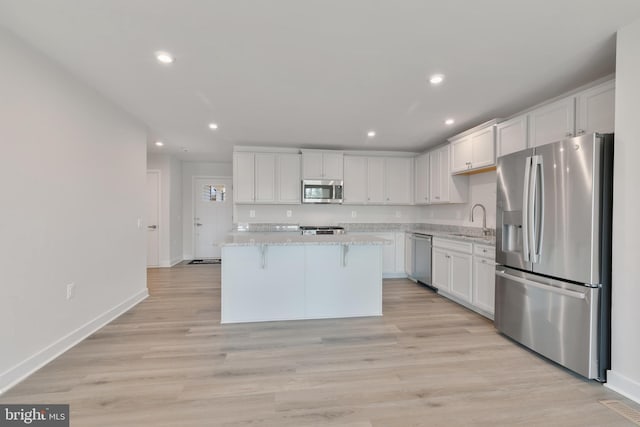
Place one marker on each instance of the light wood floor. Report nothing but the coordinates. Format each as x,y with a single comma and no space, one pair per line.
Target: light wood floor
169,362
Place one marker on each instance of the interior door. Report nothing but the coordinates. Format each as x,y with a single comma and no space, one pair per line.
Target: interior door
213,215
153,216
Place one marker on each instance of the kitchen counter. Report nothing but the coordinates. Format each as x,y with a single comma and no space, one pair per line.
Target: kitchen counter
485,240
453,232
296,239
288,276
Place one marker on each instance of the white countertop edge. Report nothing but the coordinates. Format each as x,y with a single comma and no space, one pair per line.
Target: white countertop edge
277,239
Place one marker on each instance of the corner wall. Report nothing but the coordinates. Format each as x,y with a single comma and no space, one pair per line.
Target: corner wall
625,352
72,180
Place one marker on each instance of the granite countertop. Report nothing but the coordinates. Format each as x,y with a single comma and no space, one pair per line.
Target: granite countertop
296,239
453,232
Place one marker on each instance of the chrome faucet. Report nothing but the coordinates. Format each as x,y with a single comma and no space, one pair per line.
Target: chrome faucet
485,230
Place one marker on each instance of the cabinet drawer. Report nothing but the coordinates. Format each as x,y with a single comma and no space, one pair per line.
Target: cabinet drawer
484,251
453,245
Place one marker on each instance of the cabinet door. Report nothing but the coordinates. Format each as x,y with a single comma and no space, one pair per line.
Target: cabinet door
511,136
355,180
461,154
243,177
595,109
332,166
461,275
312,166
265,178
440,270
288,178
552,122
400,252
398,180
388,253
434,177
483,150
445,174
421,185
484,283
375,180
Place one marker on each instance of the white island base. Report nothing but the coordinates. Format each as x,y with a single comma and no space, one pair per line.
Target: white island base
262,282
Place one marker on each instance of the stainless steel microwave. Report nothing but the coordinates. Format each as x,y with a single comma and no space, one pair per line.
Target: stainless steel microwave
321,191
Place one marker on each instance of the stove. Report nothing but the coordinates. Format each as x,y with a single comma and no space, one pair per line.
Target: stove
313,230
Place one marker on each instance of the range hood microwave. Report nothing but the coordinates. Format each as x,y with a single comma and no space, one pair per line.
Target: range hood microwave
321,191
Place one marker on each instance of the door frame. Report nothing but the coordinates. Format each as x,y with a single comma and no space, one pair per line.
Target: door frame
157,172
193,205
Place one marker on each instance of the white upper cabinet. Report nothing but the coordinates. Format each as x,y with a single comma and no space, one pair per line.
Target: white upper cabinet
511,135
378,180
444,187
475,149
595,109
265,178
322,164
398,180
421,183
355,180
269,178
288,178
243,177
552,122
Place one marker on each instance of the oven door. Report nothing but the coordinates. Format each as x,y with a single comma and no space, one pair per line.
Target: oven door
321,191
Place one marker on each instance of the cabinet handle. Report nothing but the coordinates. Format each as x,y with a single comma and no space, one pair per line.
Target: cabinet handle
568,134
580,132
387,199
437,197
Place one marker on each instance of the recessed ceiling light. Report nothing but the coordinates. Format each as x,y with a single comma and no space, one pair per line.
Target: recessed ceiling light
449,122
159,143
164,57
436,79
371,134
213,126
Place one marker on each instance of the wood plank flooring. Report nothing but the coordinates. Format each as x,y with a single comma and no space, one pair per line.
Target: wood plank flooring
426,362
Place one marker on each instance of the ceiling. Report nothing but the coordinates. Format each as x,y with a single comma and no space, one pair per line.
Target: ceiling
322,73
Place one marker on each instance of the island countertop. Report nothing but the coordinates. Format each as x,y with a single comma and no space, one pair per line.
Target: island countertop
297,239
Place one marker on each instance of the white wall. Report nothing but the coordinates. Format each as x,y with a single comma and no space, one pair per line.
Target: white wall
191,170
482,189
72,180
625,352
171,238
324,214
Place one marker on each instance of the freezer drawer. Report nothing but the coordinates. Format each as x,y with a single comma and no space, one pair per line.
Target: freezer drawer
553,318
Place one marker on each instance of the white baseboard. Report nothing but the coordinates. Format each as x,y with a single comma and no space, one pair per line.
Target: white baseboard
624,385
14,375
169,263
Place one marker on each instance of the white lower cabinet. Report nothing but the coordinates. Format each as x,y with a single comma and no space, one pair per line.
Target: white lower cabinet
465,273
393,255
451,269
484,278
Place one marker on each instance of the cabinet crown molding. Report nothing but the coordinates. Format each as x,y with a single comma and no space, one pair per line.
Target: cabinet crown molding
481,126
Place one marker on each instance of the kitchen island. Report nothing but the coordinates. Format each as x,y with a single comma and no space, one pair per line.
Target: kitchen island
287,276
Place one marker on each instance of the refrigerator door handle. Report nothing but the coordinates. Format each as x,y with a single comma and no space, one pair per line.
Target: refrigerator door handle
533,207
539,208
548,288
526,249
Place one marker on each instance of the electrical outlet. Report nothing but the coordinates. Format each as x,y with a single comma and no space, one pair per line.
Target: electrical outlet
288,213
398,214
71,291
354,214
139,222
252,213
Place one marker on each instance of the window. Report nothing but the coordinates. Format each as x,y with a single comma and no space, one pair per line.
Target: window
213,193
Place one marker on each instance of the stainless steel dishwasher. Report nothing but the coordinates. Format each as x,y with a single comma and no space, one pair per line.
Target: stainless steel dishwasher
418,261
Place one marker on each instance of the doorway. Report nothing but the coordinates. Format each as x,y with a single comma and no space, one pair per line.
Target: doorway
153,218
213,214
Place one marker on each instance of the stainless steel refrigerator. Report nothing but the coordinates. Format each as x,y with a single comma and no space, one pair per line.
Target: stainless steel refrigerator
553,247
